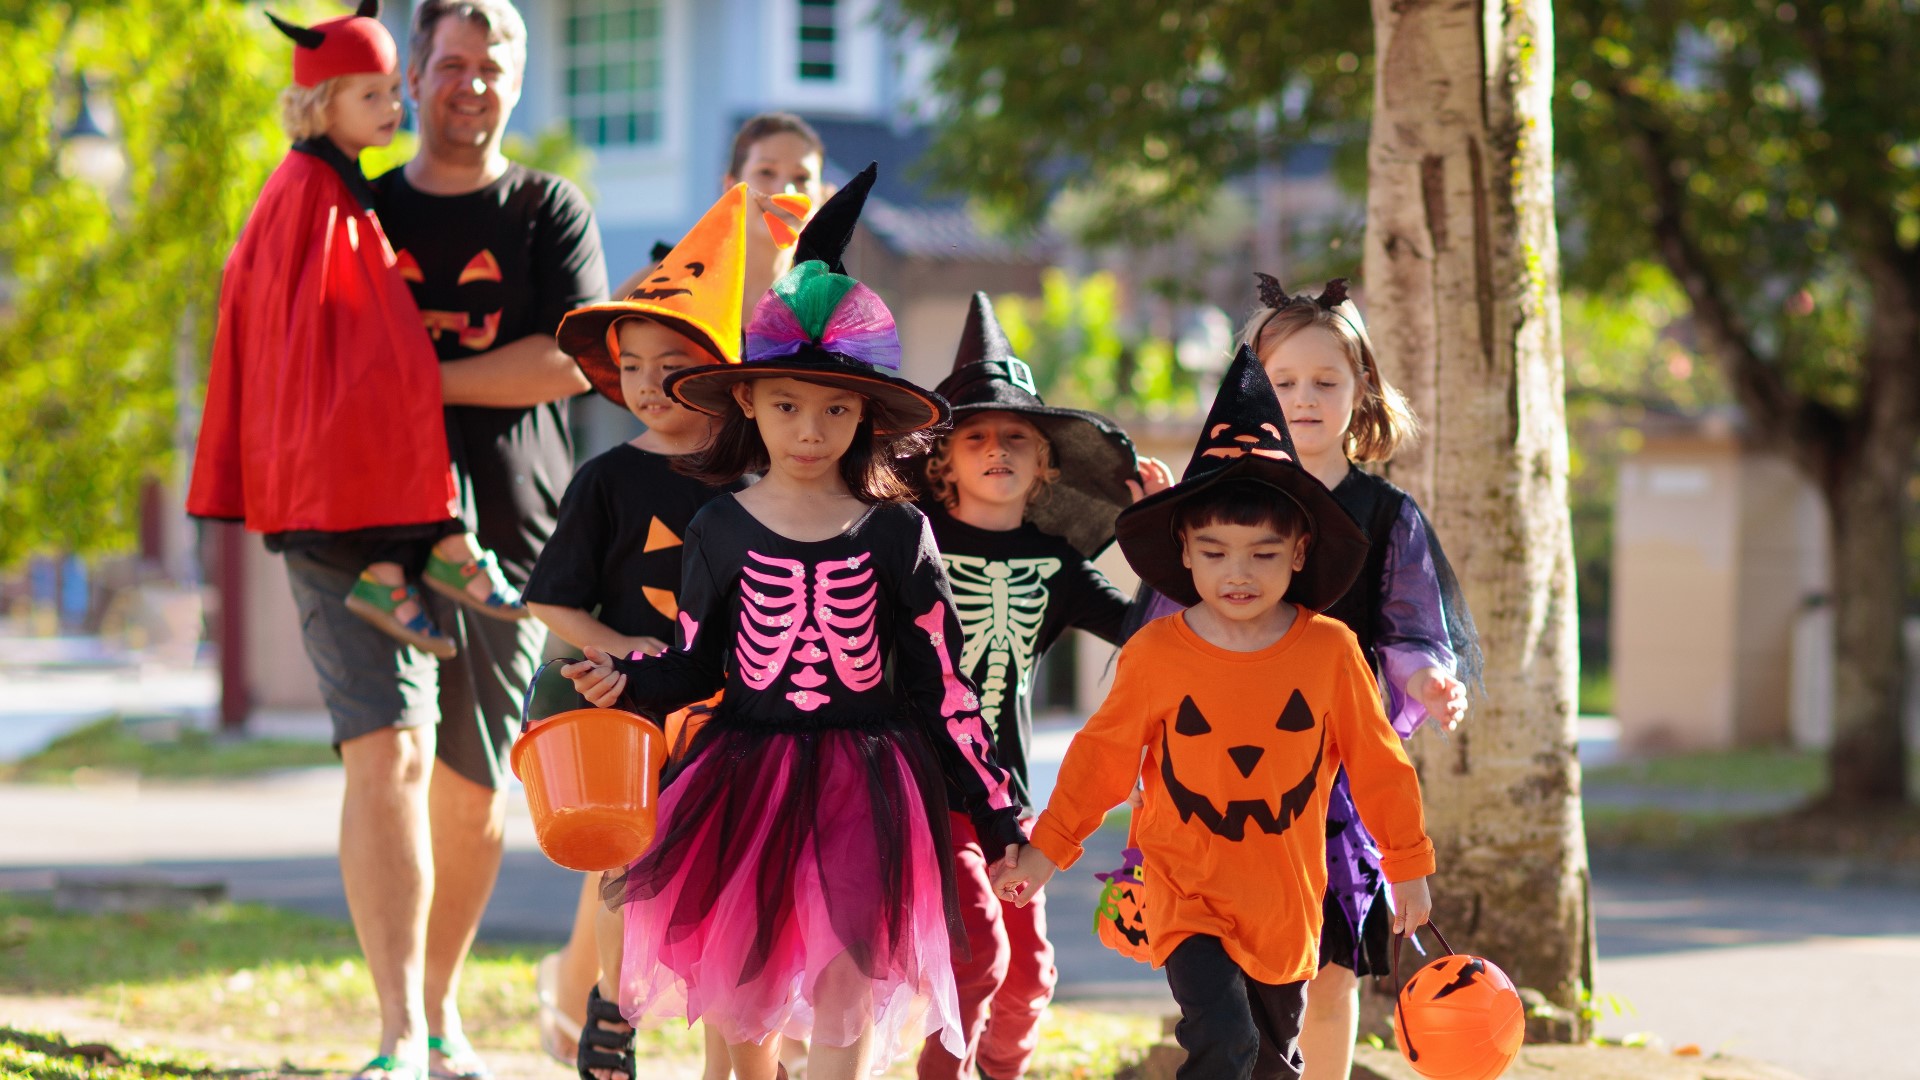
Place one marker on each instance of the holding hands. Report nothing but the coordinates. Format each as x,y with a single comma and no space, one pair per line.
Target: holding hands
1021,874
595,679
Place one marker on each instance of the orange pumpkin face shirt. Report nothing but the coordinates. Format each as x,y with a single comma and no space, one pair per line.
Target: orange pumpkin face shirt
1241,749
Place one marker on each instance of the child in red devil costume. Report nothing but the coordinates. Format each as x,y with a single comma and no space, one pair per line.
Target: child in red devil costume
323,411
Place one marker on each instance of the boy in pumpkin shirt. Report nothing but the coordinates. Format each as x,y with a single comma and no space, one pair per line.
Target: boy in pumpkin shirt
1245,704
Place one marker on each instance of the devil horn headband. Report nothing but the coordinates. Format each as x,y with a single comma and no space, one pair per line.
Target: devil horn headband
302,36
1274,296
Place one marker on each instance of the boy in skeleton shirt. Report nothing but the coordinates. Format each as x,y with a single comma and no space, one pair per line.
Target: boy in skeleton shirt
1021,496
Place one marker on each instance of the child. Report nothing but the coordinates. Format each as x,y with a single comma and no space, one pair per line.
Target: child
1244,705
610,574
1405,608
1023,495
795,885
319,346
774,153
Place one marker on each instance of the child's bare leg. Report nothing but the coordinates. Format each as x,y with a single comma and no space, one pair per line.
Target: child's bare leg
793,1054
391,575
756,1061
719,1064
609,931
1331,1025
842,991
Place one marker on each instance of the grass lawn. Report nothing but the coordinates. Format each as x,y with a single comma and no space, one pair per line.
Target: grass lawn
162,750
253,974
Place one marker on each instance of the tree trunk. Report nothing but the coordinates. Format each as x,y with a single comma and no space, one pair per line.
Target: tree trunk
1866,497
1462,286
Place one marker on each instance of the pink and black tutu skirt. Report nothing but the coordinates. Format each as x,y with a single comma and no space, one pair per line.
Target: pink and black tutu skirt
798,885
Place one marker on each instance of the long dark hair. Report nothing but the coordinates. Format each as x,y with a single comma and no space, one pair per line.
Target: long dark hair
736,449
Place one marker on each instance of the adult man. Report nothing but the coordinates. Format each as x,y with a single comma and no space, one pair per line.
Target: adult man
496,253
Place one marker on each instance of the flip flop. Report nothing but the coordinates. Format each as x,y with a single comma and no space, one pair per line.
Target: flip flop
394,1068
559,1031
450,579
456,1048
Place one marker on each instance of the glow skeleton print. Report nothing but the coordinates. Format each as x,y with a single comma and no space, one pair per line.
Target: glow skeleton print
1001,605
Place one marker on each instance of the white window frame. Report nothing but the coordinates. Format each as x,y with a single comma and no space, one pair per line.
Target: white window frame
859,54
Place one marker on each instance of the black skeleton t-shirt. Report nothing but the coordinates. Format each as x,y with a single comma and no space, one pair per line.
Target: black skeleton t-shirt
1016,593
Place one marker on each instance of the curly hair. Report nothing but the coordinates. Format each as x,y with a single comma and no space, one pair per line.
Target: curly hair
303,109
948,492
1383,423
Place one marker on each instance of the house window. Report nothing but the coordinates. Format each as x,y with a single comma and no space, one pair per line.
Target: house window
614,77
818,40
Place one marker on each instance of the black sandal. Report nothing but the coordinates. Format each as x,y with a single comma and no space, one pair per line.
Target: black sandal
601,1048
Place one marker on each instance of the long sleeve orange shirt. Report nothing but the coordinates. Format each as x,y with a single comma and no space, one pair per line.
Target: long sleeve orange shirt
1241,749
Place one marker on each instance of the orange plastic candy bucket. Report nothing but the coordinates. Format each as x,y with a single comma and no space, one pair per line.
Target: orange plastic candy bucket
592,777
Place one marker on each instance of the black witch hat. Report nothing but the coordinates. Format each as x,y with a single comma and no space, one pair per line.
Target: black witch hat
1246,437
1095,458
819,325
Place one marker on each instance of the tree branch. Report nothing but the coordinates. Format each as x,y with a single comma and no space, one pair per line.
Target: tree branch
1815,431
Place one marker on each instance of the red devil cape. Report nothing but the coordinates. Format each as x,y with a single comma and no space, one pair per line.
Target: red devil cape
323,404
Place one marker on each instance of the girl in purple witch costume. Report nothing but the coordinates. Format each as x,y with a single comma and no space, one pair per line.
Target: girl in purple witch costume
799,882
1406,608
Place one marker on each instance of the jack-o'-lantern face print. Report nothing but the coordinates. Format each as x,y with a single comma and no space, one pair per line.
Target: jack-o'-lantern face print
667,280
477,329
1226,780
1120,918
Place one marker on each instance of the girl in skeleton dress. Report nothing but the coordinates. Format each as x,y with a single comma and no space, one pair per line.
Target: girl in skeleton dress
1406,608
1021,495
798,883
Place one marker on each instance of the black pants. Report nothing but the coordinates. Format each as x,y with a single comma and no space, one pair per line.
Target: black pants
1231,1026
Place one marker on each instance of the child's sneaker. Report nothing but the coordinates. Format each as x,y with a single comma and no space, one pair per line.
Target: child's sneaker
452,580
379,604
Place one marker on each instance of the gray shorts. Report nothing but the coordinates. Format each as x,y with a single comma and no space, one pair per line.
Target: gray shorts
370,681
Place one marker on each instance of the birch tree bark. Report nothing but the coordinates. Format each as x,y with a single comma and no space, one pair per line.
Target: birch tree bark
1462,291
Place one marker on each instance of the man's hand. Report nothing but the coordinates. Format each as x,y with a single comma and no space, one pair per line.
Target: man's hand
1022,874
1443,696
1412,904
595,678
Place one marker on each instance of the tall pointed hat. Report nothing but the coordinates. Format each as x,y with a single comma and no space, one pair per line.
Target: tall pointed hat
1245,438
1095,458
353,44
696,289
821,326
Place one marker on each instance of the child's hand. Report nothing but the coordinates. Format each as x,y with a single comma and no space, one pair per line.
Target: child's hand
642,644
1022,875
1412,903
1137,797
1443,696
595,678
1154,476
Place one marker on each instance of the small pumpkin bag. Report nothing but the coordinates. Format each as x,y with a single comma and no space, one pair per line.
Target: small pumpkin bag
1119,919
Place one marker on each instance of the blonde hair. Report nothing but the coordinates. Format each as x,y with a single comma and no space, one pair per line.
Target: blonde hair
1383,423
303,109
948,492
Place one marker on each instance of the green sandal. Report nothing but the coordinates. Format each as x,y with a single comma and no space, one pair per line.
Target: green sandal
377,603
450,579
394,1068
456,1048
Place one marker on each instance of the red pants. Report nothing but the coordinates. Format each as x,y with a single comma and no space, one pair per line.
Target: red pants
1005,983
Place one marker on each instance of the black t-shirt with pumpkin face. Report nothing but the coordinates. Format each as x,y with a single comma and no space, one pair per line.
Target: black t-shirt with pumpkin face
617,544
488,268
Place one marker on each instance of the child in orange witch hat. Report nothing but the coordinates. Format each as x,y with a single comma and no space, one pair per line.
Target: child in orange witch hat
610,575
323,413
1244,704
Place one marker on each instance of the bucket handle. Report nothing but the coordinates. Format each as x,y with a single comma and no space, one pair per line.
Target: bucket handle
1400,939
526,700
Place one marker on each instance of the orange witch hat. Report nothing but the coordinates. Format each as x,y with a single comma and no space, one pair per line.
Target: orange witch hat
696,290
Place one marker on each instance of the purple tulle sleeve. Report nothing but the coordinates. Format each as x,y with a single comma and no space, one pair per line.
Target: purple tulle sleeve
1413,622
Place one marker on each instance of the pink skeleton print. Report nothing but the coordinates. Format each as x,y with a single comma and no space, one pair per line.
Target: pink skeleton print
961,710
780,628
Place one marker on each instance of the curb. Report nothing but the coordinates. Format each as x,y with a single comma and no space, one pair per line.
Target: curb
1804,869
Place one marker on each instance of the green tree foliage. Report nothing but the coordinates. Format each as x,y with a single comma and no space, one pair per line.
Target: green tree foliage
103,284
1073,339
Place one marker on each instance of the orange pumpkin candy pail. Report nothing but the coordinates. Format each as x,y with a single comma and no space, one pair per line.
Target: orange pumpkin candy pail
1119,919
592,777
